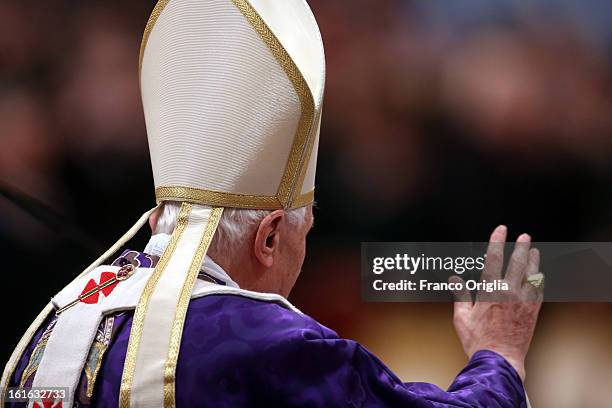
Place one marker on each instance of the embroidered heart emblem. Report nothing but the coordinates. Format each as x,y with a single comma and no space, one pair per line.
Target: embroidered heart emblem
92,286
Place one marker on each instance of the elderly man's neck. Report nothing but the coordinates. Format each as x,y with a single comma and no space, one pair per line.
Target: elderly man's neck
244,269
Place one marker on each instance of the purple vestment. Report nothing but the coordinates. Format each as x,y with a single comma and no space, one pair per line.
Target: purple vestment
241,352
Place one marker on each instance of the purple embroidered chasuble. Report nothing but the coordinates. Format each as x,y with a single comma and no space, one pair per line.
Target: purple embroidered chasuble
242,352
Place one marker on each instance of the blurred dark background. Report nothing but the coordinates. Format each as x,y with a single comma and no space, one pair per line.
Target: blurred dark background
442,119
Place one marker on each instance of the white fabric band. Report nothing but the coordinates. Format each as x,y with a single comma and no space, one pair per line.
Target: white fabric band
154,331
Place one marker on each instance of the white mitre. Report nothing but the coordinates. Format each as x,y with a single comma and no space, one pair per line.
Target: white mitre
232,93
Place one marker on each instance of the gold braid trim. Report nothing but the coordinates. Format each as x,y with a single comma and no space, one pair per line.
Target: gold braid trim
304,199
159,7
296,161
216,198
141,308
183,303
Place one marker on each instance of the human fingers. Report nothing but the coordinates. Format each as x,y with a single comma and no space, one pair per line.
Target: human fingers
531,290
495,254
518,262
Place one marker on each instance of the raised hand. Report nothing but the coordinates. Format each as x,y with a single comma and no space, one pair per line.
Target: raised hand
503,321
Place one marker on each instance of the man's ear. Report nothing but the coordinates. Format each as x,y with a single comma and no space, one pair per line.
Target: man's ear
267,238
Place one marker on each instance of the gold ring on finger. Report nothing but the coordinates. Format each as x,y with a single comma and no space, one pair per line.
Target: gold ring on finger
537,280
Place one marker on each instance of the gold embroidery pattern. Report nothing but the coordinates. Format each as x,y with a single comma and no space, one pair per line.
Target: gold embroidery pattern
297,198
37,353
96,354
304,199
141,308
216,198
92,365
34,362
183,304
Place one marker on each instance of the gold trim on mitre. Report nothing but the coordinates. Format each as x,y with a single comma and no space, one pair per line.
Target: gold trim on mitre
159,7
299,201
293,177
296,163
304,199
216,198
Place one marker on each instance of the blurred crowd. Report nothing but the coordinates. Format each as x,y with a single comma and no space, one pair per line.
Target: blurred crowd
442,119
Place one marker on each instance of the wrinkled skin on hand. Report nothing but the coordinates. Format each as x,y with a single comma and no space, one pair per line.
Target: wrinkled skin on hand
504,321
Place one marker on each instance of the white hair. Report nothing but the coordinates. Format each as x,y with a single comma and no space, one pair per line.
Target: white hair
235,226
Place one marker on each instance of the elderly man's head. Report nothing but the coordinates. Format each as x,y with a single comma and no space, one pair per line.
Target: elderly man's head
261,250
